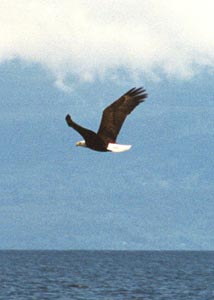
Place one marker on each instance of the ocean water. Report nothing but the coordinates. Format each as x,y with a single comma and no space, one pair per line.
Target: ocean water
97,275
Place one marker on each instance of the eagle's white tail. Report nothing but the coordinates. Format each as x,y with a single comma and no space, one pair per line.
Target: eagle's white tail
118,148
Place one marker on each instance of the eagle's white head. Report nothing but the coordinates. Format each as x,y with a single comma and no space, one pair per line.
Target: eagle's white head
81,143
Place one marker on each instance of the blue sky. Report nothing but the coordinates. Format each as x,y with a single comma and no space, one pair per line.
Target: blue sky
57,58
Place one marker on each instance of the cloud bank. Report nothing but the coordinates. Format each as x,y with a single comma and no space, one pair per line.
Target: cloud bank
84,40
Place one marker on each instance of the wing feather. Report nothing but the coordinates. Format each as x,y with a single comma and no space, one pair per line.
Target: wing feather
115,114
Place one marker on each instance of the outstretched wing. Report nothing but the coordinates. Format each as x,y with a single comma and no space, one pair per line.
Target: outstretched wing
115,114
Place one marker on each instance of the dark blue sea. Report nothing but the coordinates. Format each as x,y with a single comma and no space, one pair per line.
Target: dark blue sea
96,275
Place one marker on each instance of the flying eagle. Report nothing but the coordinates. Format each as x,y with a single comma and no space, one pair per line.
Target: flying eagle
112,120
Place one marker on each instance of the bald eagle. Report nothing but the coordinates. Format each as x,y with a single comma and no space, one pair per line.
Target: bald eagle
112,120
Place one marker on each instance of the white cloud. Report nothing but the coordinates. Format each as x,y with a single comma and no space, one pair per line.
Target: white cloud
93,38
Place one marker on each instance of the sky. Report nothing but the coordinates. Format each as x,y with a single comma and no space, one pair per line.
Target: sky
59,57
